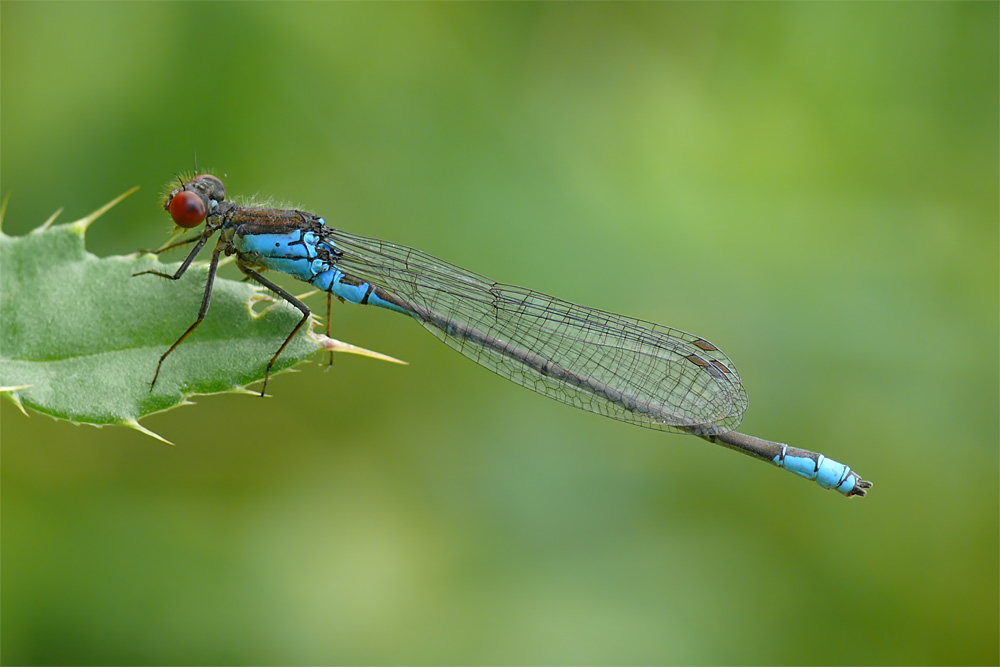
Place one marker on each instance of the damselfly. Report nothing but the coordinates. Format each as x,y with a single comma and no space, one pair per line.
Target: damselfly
619,367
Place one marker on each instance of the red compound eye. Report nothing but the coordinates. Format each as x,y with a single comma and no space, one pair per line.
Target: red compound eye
187,209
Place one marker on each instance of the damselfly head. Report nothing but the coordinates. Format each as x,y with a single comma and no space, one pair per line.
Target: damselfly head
191,203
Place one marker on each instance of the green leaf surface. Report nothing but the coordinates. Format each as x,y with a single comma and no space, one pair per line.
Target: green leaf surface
80,337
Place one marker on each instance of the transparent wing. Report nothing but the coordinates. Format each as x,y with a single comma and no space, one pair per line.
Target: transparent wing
620,367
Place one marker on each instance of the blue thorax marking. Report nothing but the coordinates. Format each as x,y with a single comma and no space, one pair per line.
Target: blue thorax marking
293,252
298,253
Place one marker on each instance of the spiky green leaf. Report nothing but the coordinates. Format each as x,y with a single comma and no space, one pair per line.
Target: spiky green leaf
80,336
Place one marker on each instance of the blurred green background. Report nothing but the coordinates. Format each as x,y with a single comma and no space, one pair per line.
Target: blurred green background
813,187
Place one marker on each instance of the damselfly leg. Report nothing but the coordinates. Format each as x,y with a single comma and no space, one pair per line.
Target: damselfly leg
302,308
206,300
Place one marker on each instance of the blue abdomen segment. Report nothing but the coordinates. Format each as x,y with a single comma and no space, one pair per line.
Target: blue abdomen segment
828,473
304,255
339,284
